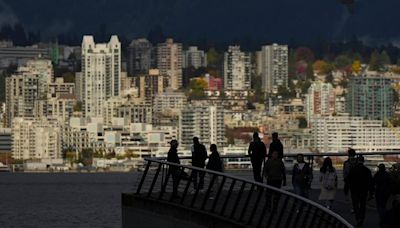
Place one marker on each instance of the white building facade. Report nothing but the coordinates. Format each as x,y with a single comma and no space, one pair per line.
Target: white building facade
237,69
274,67
101,74
320,101
338,133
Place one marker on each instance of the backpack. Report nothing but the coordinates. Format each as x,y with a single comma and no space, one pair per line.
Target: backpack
329,180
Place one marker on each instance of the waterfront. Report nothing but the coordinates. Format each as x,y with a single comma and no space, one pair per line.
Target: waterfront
62,199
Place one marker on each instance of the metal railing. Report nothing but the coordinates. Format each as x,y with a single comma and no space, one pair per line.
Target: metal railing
242,201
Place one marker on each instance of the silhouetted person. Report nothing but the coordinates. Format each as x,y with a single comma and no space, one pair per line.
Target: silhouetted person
328,179
214,161
347,165
199,156
257,152
215,164
275,145
382,181
175,172
274,171
360,183
301,177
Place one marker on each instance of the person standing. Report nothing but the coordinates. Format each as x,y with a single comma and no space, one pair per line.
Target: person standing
301,177
328,179
360,183
199,156
257,152
347,165
173,170
274,171
275,145
215,164
382,181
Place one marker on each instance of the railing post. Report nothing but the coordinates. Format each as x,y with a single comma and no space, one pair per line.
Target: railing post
246,202
261,191
228,196
218,194
210,187
154,180
143,177
238,198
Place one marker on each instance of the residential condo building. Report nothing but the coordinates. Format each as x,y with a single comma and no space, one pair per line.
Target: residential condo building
274,67
237,69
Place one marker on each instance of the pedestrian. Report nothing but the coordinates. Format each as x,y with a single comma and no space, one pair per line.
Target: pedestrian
301,177
274,171
275,145
257,152
199,156
360,184
215,164
174,171
347,165
328,179
382,181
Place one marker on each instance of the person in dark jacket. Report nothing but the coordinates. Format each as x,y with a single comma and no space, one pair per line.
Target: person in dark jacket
214,161
274,171
215,164
174,171
360,183
275,145
302,177
382,181
347,165
199,156
257,152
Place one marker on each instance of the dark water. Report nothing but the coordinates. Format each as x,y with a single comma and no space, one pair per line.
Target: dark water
62,200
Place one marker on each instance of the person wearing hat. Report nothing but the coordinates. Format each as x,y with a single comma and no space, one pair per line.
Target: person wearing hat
382,182
174,170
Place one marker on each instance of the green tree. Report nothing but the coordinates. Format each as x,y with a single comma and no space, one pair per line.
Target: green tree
213,57
342,61
302,122
197,88
310,72
385,58
374,61
78,106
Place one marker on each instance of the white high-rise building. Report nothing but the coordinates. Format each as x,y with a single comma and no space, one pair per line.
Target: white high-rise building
237,69
36,138
338,133
193,57
169,62
28,84
101,74
274,72
320,101
204,122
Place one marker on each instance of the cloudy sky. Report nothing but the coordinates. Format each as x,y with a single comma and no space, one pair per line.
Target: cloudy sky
219,20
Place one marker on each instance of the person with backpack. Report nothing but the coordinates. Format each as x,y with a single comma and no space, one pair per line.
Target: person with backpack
301,177
257,152
199,156
328,179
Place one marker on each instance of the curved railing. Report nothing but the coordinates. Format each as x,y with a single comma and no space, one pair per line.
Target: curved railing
234,199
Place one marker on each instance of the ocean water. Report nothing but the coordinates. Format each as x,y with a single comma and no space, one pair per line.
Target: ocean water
62,199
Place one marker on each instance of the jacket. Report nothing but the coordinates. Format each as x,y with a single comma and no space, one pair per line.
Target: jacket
276,146
275,170
214,162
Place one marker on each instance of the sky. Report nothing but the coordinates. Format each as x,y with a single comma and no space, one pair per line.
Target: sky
218,20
